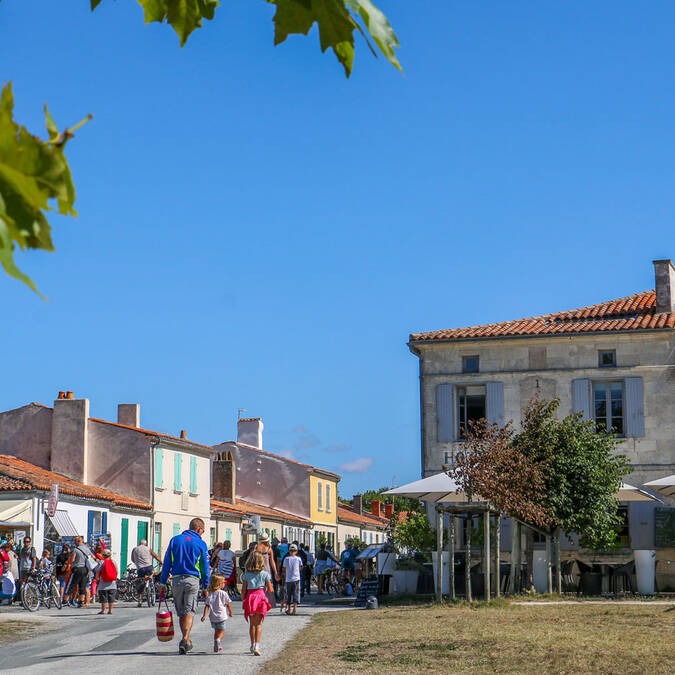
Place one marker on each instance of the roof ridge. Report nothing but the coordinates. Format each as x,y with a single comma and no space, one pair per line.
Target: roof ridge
150,432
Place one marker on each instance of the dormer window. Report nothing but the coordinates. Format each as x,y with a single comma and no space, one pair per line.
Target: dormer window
607,358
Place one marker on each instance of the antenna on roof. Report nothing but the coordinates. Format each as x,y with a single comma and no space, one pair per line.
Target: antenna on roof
239,411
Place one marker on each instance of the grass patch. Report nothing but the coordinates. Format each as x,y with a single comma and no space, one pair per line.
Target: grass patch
494,637
12,630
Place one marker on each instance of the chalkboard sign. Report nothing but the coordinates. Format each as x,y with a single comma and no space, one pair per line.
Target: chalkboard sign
664,527
368,587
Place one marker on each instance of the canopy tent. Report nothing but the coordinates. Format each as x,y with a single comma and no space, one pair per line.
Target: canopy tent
664,486
630,493
437,489
63,524
16,512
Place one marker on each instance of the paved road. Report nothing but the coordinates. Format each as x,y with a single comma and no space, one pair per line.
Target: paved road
80,641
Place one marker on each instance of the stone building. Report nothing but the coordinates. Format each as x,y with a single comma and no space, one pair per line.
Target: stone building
614,362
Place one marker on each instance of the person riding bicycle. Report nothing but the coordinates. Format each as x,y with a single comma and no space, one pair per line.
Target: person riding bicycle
142,556
347,558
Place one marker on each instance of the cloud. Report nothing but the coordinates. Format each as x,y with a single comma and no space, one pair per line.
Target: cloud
307,441
360,465
336,448
300,429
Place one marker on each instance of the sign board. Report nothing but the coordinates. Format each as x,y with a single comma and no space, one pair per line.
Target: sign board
53,502
664,527
368,587
94,539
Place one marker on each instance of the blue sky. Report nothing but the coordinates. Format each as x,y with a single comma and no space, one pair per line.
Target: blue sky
258,232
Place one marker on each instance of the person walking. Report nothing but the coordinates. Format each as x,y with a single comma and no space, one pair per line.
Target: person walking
224,564
187,560
27,561
265,549
63,569
307,571
302,554
292,566
256,589
218,606
324,561
141,557
106,581
79,574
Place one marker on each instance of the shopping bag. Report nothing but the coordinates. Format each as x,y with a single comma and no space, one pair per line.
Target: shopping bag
164,621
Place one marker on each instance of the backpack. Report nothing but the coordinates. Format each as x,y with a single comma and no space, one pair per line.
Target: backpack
108,571
243,558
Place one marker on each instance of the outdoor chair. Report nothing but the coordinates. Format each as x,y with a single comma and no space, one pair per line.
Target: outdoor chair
623,578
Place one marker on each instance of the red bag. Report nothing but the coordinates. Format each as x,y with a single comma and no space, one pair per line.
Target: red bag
108,571
164,622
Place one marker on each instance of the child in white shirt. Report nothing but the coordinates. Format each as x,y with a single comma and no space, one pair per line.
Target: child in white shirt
218,606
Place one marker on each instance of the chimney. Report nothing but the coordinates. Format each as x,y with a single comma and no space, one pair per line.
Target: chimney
375,507
70,421
183,434
664,272
249,431
129,414
358,504
389,511
223,477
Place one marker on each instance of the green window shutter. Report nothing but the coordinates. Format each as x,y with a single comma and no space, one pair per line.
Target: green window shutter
193,475
141,531
159,458
177,470
124,545
228,534
176,529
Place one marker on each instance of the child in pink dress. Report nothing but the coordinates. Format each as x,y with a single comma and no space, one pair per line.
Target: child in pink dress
257,583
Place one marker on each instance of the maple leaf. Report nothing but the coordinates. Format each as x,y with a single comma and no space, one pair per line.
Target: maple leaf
184,16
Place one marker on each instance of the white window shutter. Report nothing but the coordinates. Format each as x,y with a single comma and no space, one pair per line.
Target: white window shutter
445,417
635,407
581,397
494,403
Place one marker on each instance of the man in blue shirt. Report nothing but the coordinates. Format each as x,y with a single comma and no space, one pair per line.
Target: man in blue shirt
187,560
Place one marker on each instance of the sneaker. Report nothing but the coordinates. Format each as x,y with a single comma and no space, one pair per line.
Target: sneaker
216,647
256,651
182,647
189,647
252,649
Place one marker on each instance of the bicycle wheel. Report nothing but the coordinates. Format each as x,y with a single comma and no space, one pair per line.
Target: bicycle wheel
55,594
30,596
150,594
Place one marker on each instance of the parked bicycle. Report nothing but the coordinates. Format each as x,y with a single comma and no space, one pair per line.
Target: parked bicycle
40,589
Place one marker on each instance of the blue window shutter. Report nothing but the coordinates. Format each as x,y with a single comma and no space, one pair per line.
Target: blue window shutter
177,470
581,398
635,407
176,529
228,534
159,460
494,403
104,522
445,413
90,525
193,475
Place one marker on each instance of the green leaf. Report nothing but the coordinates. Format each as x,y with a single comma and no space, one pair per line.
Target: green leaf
184,16
95,4
379,28
32,172
336,26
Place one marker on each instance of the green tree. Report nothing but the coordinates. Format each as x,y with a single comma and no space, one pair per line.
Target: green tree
34,173
414,533
400,503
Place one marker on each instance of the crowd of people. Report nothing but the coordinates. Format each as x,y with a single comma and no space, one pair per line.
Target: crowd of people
271,572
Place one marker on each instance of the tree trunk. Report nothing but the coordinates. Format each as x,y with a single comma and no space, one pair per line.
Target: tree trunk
515,569
558,566
529,559
467,559
439,556
549,565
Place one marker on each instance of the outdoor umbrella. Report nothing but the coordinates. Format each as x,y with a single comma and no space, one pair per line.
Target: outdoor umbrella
664,486
629,493
435,489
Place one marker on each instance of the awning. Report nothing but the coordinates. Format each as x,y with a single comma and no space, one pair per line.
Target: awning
16,512
63,524
439,488
630,493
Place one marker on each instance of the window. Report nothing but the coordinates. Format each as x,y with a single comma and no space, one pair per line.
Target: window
608,407
158,539
176,529
159,460
177,470
320,496
228,534
212,536
193,475
328,502
470,407
607,358
470,364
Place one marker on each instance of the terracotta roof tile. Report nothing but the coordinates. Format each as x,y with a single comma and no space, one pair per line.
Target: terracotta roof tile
16,474
347,512
634,312
243,508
